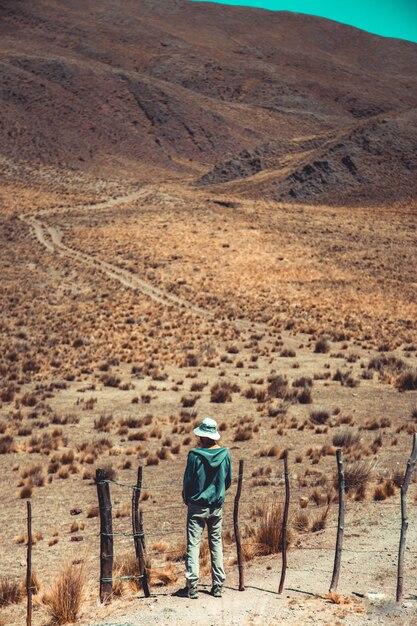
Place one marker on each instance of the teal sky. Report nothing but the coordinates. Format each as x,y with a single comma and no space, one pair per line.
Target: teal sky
390,18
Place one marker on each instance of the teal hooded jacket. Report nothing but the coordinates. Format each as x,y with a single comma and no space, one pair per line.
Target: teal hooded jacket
207,476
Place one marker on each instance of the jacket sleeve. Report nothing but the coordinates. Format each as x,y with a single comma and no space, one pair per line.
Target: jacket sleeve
187,478
228,481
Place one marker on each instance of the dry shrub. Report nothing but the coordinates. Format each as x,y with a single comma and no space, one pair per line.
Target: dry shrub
156,432
345,378
189,401
397,478
346,438
407,381
161,546
63,473
277,387
301,522
138,435
319,416
152,460
10,591
128,566
319,522
109,472
163,576
34,584
6,444
103,423
250,550
287,352
26,492
322,346
35,473
64,600
379,493
319,497
357,477
163,453
304,396
198,386
386,365
268,531
271,451
110,380
123,511
131,422
92,512
243,434
303,381
222,392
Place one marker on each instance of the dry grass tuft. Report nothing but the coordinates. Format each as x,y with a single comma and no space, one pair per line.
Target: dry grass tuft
64,600
222,392
357,477
346,438
319,416
163,576
10,591
407,381
302,522
26,492
268,533
320,521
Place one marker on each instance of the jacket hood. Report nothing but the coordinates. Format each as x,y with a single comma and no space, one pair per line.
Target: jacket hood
214,458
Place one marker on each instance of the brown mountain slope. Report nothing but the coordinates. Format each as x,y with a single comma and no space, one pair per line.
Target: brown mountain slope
180,88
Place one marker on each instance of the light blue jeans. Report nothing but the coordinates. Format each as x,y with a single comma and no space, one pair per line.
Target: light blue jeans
197,518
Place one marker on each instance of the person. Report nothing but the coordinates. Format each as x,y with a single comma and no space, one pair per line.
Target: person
207,476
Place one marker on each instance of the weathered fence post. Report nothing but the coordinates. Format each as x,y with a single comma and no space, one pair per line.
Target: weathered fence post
138,537
404,521
236,528
106,536
29,566
285,523
141,529
340,521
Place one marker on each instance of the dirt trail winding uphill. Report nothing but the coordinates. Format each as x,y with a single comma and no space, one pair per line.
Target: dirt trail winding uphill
51,238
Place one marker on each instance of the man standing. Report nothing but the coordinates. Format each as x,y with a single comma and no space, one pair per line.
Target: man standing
207,476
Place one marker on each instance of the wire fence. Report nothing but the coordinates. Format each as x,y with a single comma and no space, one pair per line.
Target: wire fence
152,532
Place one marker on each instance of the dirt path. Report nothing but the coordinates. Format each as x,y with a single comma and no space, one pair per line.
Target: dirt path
51,238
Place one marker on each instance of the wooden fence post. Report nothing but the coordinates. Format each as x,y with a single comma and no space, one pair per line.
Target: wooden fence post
285,523
29,566
404,521
106,536
340,521
236,528
138,537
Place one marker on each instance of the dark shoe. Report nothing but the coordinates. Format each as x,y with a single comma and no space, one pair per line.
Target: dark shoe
216,591
187,592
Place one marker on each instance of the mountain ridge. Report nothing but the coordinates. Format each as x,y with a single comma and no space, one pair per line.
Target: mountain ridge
183,88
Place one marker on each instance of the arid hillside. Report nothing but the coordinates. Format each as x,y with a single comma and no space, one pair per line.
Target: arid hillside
312,108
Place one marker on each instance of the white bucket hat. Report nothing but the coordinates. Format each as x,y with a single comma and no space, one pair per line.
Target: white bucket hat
207,428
